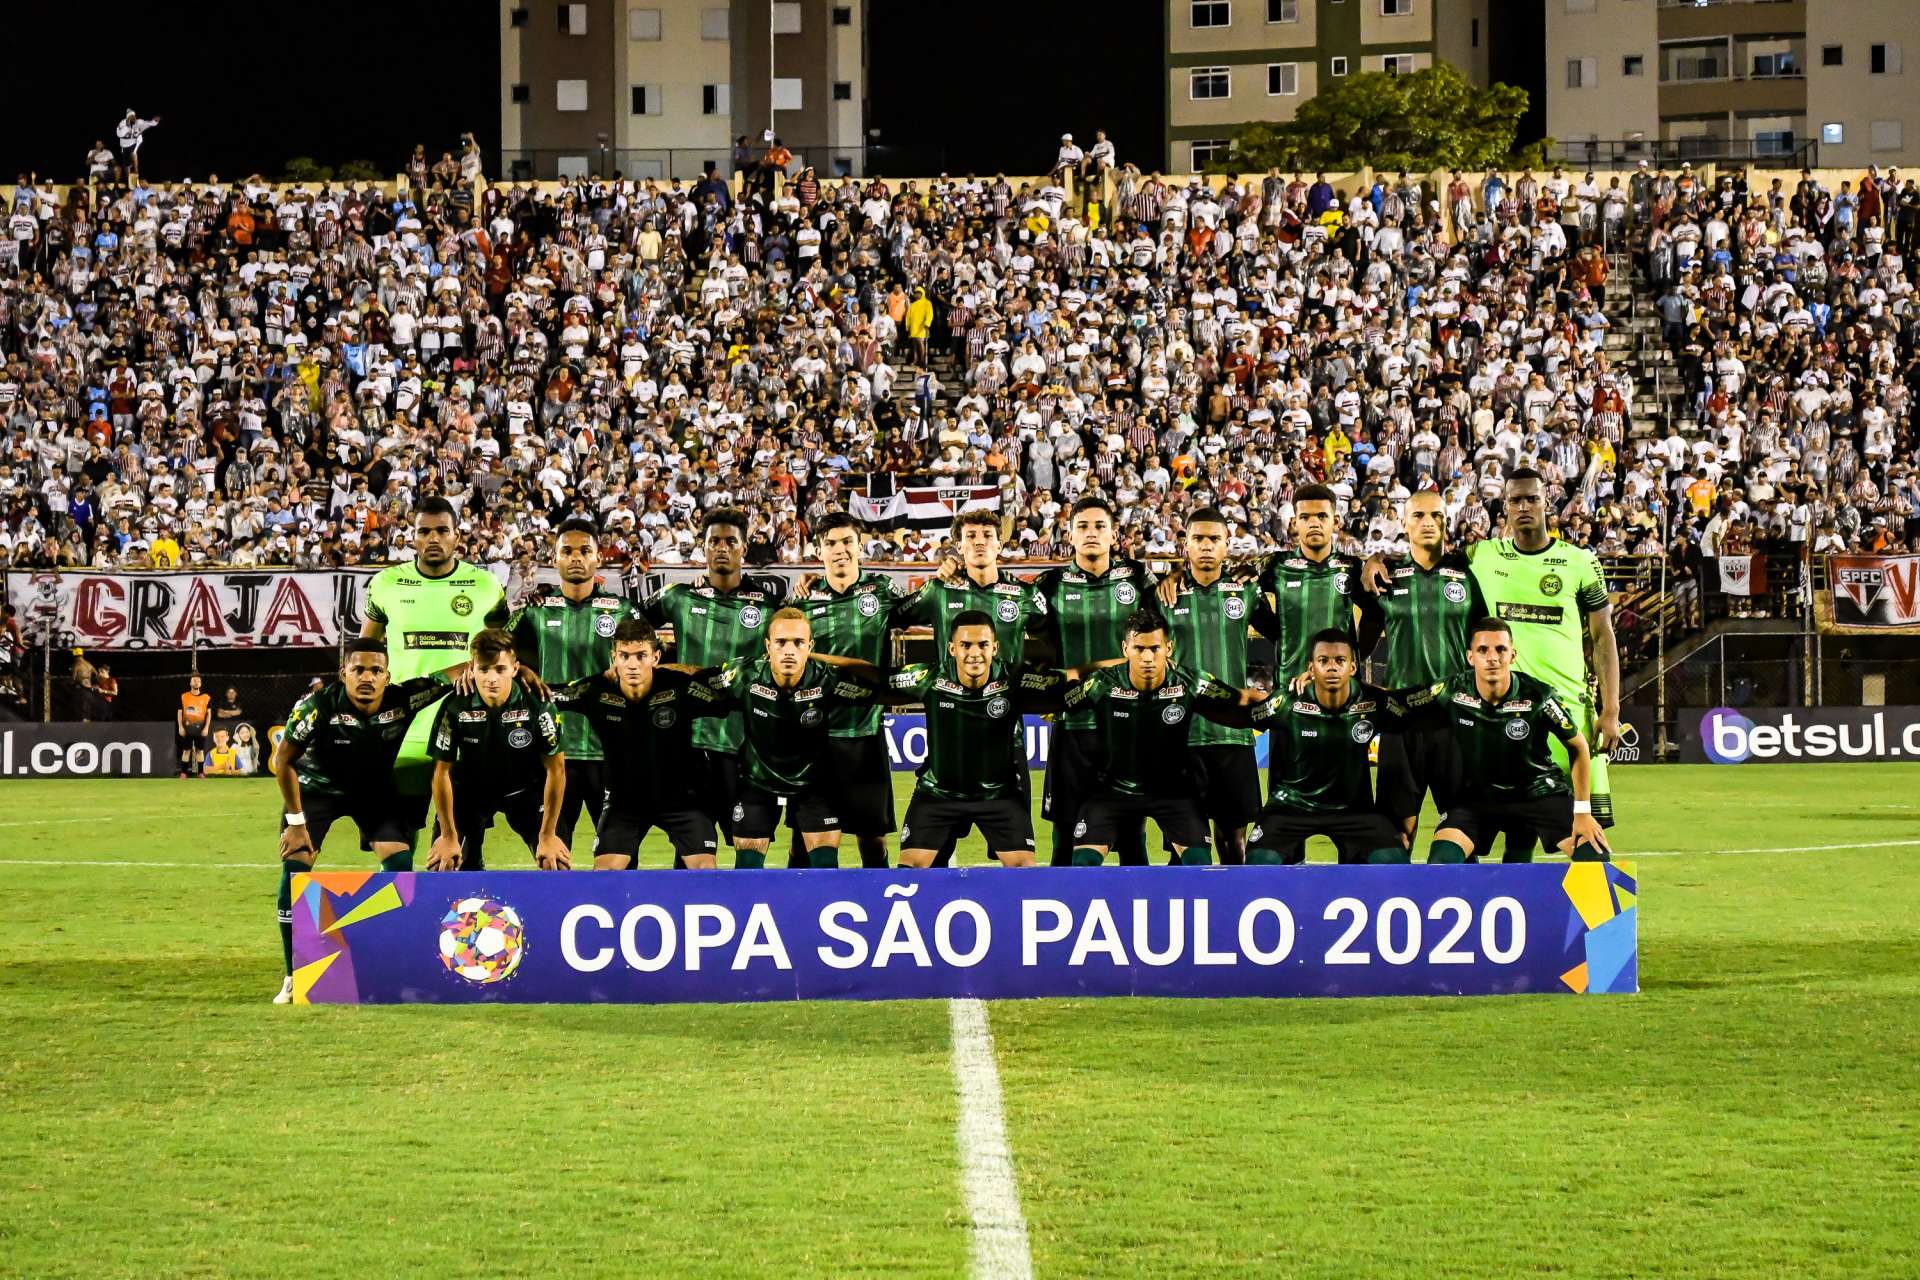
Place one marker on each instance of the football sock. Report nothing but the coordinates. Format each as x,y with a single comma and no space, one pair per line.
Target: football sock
823,858
1198,855
748,860
1388,857
402,861
1445,851
288,870
1258,857
1088,858
1585,851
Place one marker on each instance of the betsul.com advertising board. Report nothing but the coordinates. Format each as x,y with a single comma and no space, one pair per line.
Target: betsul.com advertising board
86,750
1799,735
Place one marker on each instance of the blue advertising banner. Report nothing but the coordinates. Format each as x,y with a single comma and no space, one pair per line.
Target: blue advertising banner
660,937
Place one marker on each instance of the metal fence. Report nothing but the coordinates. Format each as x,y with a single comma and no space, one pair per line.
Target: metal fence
1627,153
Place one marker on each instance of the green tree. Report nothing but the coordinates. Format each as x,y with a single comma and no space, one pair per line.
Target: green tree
1432,119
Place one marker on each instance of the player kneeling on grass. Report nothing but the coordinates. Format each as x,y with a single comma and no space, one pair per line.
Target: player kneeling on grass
644,715
976,746
1503,725
336,761
496,750
1142,710
1321,783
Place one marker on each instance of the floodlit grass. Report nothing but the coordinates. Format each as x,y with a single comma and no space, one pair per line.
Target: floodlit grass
1755,1111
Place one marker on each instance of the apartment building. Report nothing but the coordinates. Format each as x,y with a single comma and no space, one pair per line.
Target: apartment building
1232,63
1792,82
660,88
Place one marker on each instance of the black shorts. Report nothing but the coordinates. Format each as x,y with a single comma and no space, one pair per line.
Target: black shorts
757,813
1226,781
1354,834
185,742
862,782
1550,818
521,810
1414,762
586,791
937,823
721,789
1106,815
688,830
387,819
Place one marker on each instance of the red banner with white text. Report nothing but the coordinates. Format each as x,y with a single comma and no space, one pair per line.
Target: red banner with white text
1872,593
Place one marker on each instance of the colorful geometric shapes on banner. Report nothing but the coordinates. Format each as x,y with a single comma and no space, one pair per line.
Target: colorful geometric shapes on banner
385,900
1576,978
1587,889
1610,952
307,974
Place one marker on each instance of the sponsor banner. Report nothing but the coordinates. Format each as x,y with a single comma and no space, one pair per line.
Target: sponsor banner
217,608
1743,575
1875,593
660,937
1799,735
932,507
1639,734
95,749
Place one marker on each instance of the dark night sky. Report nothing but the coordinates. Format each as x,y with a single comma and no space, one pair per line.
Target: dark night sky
250,85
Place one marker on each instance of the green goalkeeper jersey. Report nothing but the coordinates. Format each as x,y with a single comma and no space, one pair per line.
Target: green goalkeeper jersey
429,623
851,624
710,628
564,642
1546,597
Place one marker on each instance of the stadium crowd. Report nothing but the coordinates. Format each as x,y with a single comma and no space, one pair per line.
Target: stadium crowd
244,373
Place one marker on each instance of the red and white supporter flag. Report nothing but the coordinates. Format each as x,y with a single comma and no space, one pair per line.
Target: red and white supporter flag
1743,575
933,507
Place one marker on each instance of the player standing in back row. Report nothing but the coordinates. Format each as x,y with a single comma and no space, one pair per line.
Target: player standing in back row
566,633
1314,588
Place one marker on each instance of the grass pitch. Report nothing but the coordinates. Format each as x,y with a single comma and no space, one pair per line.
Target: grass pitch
1755,1112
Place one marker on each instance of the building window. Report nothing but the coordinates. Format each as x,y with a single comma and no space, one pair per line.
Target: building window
842,16
646,100
1476,33
1397,64
1833,134
716,100
573,19
1832,55
519,18
1283,10
569,95
843,91
1209,82
786,18
1884,60
522,93
713,24
1886,136
1337,66
1633,65
1283,78
1210,13
1582,73
1202,152
786,94
1769,66
1396,8
643,24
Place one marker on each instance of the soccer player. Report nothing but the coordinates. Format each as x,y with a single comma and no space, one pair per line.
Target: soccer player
1321,779
428,612
190,725
850,614
643,714
496,750
1208,615
1142,709
972,581
976,749
1428,605
336,761
1503,724
1088,603
714,621
1314,587
566,634
787,697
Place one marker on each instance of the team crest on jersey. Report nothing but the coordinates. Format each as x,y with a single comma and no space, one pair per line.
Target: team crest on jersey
604,624
1340,581
810,717
1363,731
750,616
1518,730
869,605
1125,593
1173,713
663,717
996,708
1079,829
520,738
1550,584
739,813
1008,610
462,604
1455,592
1235,608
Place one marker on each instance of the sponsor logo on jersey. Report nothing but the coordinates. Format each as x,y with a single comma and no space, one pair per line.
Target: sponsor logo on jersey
1124,693
1363,731
1546,614
613,700
604,625
520,738
605,602
344,718
1173,713
1518,729
1466,700
1525,704
514,717
811,694
1308,708
388,717
435,640
1362,708
996,708
1456,592
1235,608
763,691
750,617
472,717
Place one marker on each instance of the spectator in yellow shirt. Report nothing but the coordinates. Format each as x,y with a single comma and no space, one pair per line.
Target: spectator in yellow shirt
920,324
165,551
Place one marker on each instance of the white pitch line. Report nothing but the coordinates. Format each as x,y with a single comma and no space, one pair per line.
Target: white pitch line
94,862
999,1230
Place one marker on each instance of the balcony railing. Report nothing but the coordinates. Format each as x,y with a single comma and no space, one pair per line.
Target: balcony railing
1627,153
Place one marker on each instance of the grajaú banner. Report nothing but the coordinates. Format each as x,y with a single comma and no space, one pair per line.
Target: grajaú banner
95,749
1875,592
216,608
1798,735
668,937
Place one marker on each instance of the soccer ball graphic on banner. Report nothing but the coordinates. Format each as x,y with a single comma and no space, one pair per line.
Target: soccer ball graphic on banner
482,940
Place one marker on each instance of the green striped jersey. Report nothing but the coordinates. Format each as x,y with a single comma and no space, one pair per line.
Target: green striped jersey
1209,628
852,624
713,627
564,642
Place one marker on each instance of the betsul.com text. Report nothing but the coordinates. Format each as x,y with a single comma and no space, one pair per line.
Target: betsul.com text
1754,735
